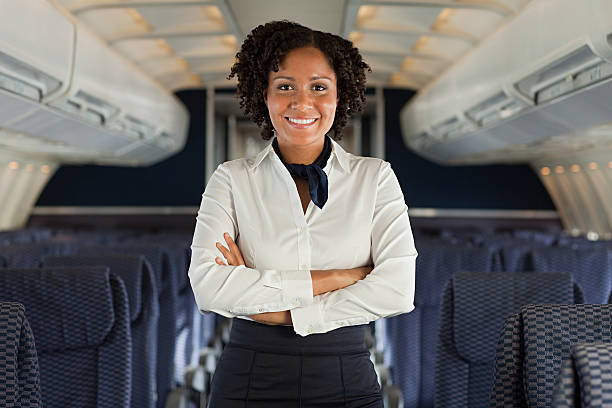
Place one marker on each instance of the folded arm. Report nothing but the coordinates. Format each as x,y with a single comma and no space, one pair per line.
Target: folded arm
323,281
386,291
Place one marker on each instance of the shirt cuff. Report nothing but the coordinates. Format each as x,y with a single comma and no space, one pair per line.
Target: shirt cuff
308,319
296,287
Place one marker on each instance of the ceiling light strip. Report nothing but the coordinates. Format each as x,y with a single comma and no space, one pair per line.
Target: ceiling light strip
430,33
138,4
383,54
167,34
493,7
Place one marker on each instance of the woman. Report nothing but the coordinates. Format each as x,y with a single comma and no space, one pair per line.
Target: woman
302,223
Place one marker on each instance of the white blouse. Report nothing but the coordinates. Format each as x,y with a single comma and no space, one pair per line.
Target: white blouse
364,222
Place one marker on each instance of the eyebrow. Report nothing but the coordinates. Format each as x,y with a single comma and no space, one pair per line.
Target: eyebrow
314,78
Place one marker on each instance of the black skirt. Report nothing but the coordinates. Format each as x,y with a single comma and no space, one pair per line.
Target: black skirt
271,366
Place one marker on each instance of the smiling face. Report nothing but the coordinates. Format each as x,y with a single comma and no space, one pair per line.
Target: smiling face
302,98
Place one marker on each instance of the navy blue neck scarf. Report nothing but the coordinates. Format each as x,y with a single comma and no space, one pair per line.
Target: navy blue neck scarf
317,179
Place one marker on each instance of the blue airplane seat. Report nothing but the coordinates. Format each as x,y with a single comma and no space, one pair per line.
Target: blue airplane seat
539,237
474,309
591,268
411,338
80,319
185,349
532,347
137,274
585,379
30,255
19,371
159,260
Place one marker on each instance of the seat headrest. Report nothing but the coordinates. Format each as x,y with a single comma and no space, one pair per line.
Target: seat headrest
67,308
128,268
437,263
155,255
483,301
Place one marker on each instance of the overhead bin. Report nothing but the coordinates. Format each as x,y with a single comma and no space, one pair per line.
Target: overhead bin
36,49
62,86
548,72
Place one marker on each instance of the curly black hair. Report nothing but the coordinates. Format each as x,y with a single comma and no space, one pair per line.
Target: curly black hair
266,46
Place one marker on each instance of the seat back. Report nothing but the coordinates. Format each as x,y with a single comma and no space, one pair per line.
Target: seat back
412,338
139,280
590,267
470,327
533,344
80,319
588,372
168,309
29,255
19,372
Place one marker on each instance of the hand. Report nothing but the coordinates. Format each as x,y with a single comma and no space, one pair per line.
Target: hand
232,253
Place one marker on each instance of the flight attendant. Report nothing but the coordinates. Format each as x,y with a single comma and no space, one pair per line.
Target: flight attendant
303,244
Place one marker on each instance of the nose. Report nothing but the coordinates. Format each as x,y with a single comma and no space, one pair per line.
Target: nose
301,100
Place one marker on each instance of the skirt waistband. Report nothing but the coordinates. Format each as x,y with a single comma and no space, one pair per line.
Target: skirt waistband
283,339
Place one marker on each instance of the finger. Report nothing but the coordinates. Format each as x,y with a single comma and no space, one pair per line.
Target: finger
219,261
226,253
231,258
234,248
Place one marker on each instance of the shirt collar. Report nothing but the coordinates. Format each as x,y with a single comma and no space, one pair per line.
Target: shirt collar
337,152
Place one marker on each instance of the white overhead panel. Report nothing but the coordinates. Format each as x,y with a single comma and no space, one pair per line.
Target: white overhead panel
508,102
162,36
428,35
35,60
67,96
324,15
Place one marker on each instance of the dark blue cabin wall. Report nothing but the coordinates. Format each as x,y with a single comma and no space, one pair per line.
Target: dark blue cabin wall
429,185
179,180
176,181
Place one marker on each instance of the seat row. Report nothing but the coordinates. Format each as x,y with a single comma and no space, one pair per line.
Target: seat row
411,340
166,326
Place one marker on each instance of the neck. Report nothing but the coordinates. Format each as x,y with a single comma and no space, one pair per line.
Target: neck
301,154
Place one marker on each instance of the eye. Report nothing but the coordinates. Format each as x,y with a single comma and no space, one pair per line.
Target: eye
284,87
319,87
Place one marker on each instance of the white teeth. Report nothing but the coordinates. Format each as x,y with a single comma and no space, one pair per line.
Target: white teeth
301,121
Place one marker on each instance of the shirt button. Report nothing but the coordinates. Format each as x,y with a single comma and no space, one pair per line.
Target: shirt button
260,309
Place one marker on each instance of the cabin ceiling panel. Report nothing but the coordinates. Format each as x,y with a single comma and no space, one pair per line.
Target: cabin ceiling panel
144,49
180,80
145,30
205,46
396,18
385,42
160,66
324,15
112,23
451,48
194,18
474,23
